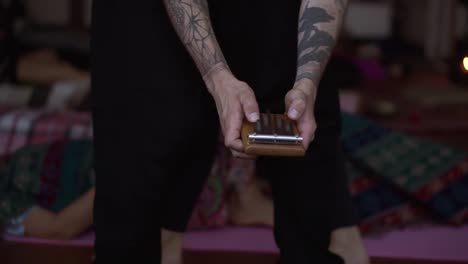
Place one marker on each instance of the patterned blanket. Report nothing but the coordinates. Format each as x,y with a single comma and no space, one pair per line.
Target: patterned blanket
428,174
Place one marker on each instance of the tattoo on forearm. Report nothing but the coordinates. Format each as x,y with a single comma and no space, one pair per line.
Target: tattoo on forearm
315,41
341,5
191,20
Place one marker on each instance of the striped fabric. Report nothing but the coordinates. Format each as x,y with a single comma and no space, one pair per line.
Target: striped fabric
19,128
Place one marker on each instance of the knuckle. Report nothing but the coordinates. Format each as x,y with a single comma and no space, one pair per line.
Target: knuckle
243,84
300,103
247,95
290,95
228,126
242,87
250,106
298,92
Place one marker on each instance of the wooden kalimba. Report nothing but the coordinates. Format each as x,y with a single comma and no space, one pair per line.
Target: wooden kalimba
272,135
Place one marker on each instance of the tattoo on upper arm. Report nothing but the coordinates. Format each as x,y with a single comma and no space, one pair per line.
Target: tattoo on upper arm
315,45
192,22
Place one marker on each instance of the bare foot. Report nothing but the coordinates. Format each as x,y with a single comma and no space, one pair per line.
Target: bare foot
171,243
251,207
347,243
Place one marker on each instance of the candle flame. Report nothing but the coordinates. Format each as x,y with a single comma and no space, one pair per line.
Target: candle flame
465,63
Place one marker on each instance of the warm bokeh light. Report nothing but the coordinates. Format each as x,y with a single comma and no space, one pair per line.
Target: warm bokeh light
465,63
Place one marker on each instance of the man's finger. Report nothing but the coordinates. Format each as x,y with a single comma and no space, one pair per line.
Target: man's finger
292,95
307,139
234,144
237,150
307,132
295,104
249,106
242,155
297,109
232,125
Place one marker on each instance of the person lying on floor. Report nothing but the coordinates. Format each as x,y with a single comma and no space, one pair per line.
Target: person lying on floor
46,191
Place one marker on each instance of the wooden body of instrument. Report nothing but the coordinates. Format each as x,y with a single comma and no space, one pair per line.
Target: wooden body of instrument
272,135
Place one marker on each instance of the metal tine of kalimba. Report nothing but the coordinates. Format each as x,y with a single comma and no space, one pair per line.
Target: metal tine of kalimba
258,126
273,124
288,127
266,124
279,125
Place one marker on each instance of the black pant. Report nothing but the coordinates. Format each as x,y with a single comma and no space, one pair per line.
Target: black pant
156,131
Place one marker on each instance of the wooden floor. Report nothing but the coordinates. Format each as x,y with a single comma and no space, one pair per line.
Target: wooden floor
11,253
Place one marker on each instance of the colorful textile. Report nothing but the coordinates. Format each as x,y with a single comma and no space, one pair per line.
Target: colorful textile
19,128
46,159
50,175
430,173
40,145
379,205
211,208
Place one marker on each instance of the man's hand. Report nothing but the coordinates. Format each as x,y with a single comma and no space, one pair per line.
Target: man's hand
318,27
235,100
300,107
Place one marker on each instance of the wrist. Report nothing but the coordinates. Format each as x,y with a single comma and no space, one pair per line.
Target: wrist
307,86
217,76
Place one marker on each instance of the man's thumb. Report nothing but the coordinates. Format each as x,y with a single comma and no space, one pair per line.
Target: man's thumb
250,108
296,104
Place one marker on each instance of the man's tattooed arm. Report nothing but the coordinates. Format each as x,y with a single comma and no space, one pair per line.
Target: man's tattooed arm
319,24
191,21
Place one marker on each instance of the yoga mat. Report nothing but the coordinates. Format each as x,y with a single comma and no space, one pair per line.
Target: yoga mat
429,242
